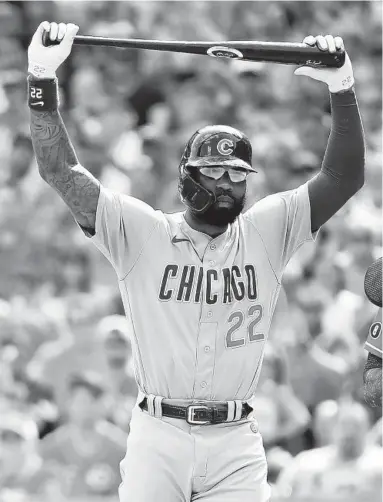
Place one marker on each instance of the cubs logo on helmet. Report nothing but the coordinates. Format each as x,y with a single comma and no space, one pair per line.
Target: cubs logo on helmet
225,146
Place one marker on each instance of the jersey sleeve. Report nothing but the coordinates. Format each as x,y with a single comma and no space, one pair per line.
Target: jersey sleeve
124,225
374,340
283,221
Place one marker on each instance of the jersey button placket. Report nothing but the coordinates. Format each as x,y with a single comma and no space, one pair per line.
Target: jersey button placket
209,313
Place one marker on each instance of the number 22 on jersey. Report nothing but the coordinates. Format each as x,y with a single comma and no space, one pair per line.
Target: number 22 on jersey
237,318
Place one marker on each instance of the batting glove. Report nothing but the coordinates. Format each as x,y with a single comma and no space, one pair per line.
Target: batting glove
337,79
44,61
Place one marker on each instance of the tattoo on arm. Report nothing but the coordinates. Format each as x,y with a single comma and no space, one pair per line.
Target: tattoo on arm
58,166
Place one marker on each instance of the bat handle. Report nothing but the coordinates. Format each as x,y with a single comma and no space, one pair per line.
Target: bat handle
47,42
327,59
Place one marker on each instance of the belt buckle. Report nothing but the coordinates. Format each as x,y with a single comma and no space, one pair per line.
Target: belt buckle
191,411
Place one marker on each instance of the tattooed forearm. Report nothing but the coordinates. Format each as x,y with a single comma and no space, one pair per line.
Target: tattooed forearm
58,166
51,142
373,387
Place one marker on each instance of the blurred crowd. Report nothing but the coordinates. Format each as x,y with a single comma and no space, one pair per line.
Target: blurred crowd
66,377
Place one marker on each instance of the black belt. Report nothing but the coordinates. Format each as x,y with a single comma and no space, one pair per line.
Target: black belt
198,414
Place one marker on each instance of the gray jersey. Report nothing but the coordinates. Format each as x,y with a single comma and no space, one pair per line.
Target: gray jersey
200,308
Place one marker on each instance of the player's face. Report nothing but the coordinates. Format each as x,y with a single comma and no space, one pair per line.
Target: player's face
230,198
83,407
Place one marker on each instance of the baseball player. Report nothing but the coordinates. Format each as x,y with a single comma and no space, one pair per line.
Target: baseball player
200,286
372,375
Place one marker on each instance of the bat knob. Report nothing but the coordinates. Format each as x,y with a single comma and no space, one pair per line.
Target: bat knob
47,41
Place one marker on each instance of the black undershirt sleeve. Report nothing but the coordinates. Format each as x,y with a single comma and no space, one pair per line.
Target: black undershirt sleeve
342,171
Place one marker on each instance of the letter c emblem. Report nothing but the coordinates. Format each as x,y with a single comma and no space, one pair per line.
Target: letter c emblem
225,146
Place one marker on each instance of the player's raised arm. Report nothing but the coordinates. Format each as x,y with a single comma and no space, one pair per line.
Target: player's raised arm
342,172
56,158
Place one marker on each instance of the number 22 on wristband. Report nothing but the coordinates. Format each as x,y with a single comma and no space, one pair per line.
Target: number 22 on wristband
236,319
36,92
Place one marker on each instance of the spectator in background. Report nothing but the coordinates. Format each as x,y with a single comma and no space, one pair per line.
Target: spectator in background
315,374
86,450
358,254
349,467
21,160
13,117
113,333
277,460
324,420
102,347
21,468
280,413
340,316
12,392
18,392
375,436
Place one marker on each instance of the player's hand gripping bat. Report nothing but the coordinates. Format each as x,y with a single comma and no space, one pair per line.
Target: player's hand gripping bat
272,52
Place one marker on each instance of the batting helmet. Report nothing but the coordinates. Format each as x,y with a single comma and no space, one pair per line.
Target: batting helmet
216,145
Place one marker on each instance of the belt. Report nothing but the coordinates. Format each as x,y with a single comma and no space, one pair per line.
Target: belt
198,414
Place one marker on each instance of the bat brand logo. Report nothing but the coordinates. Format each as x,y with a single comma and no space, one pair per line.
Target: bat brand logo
313,62
375,330
220,51
225,146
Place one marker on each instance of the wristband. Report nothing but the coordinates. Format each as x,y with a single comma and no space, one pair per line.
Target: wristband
43,95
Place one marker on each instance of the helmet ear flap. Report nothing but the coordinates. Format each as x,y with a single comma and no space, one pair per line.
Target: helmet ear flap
192,194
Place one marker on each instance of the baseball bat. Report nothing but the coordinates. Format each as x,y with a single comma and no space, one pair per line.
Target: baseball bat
271,52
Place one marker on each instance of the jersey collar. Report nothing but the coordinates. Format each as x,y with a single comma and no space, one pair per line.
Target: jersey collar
200,241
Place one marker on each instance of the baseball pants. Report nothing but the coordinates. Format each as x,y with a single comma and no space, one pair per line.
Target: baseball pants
168,460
